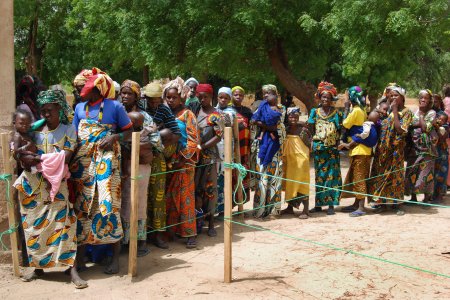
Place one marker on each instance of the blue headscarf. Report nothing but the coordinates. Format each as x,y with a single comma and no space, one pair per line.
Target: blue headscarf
355,94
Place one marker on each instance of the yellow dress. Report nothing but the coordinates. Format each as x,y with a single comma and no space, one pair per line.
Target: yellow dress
296,157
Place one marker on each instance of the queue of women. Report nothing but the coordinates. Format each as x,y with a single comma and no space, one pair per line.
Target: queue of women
74,190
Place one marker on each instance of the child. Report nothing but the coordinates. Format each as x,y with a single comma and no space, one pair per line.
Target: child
296,164
22,141
440,124
367,134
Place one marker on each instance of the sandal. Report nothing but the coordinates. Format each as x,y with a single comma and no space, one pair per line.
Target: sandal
212,232
303,216
349,209
191,244
357,213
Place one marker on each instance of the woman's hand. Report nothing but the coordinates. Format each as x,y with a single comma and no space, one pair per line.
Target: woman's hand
108,142
394,106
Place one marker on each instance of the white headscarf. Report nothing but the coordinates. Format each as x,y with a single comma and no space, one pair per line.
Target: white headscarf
225,90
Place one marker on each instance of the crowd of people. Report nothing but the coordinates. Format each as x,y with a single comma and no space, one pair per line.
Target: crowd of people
74,161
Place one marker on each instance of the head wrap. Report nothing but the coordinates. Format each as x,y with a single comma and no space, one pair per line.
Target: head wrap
237,87
153,90
26,85
178,84
192,79
82,77
133,86
56,97
102,82
205,88
116,86
429,92
270,88
326,87
225,90
355,94
399,90
293,110
390,86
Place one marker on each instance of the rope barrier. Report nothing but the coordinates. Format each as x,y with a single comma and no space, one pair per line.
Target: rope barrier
7,178
171,171
242,172
342,249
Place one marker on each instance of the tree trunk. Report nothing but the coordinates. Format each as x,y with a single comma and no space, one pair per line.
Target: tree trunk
303,90
31,61
145,76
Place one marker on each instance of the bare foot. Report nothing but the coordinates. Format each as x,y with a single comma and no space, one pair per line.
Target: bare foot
76,279
35,274
287,210
304,216
191,242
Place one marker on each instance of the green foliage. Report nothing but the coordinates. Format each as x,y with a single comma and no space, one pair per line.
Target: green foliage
366,42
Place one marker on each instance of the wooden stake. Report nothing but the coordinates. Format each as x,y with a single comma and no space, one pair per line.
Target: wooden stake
8,169
228,190
132,258
237,159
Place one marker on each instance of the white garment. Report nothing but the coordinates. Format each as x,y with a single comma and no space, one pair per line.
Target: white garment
366,129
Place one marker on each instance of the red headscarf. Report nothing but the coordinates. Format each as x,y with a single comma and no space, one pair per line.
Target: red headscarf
326,87
205,88
102,82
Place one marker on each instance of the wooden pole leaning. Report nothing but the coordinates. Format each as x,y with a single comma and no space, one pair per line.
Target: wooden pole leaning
228,190
237,159
132,255
8,169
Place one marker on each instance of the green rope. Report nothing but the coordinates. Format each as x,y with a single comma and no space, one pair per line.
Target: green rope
11,229
171,171
341,249
242,172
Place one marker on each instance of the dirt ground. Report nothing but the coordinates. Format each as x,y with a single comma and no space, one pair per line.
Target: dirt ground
270,266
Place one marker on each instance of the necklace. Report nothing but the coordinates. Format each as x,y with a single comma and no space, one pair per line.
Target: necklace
99,114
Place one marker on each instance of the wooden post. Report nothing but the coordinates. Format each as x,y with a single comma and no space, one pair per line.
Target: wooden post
8,169
228,190
132,258
237,159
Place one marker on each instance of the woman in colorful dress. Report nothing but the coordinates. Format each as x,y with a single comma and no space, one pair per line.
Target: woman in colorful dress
243,115
270,120
49,225
441,165
170,132
130,92
360,155
211,125
101,124
223,107
326,123
420,164
180,192
389,154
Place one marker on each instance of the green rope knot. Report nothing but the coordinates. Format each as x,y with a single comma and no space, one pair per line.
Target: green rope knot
7,178
242,172
10,230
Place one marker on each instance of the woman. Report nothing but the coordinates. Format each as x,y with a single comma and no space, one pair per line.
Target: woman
270,120
325,123
223,107
168,128
180,193
101,124
420,163
441,164
130,92
446,108
50,226
211,125
78,84
389,153
360,155
27,91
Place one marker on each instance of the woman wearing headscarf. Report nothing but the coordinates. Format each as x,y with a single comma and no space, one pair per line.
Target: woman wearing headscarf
223,106
49,225
389,152
420,163
168,128
180,192
26,94
243,116
211,125
326,123
130,93
101,124
270,120
78,84
360,155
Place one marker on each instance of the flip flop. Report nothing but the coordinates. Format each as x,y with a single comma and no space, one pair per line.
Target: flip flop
357,214
212,232
80,286
191,244
143,252
348,209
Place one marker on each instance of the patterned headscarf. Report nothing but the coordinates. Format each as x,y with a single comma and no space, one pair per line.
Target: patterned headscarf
399,90
225,90
293,111
178,84
153,90
270,88
389,87
326,87
237,87
82,77
133,85
205,88
57,97
429,92
355,94
102,82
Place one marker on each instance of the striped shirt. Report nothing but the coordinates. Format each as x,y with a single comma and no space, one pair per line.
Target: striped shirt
164,118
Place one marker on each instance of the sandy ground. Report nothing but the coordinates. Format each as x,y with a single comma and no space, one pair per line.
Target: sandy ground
270,266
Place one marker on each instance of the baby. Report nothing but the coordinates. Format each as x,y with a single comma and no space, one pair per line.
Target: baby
22,141
367,134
